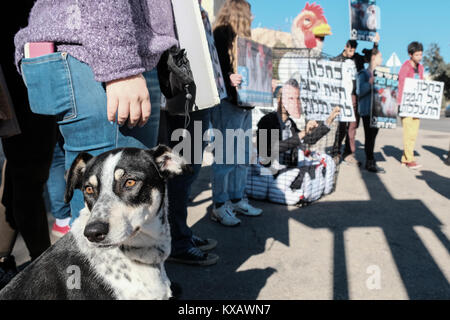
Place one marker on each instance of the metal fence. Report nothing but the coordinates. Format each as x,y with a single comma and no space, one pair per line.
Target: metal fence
280,70
326,143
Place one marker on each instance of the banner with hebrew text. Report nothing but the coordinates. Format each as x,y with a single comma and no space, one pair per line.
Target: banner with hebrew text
422,99
384,102
325,84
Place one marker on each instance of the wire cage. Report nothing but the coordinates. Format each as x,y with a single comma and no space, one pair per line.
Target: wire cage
318,166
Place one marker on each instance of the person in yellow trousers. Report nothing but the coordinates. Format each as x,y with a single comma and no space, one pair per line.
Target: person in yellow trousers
410,69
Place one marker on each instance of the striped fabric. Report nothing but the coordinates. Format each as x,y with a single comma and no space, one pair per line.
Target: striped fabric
261,185
258,181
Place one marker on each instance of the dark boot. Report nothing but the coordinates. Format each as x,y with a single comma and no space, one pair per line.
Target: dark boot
371,166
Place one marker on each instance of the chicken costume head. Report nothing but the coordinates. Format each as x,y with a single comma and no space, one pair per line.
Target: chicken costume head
309,26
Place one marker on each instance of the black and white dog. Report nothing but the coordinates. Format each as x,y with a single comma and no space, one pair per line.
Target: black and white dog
117,247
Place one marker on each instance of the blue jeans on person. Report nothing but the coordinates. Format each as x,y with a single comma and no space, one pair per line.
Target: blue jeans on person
58,84
179,187
56,184
229,179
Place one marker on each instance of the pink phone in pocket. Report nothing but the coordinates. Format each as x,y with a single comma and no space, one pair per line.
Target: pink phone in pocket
37,49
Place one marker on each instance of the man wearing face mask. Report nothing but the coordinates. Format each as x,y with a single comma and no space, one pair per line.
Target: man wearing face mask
290,138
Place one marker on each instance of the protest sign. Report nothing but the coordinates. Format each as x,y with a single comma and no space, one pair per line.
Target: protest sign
254,63
214,56
324,85
192,37
384,102
421,99
364,19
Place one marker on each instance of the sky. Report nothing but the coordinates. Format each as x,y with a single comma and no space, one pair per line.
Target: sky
402,21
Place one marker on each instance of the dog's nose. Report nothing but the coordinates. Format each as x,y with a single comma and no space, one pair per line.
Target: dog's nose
96,231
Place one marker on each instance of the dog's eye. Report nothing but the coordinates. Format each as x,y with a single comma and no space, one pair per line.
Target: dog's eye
89,190
130,183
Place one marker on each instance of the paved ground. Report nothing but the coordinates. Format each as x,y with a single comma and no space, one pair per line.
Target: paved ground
396,223
380,236
443,125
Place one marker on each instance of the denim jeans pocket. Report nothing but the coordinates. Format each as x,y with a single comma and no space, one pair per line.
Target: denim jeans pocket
49,83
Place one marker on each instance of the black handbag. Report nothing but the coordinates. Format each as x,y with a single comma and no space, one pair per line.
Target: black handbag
177,82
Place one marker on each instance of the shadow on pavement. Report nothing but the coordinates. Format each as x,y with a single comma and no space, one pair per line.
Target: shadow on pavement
436,182
224,281
396,153
421,276
438,152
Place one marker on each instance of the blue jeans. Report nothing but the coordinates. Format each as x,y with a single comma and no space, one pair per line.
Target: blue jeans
56,184
229,179
58,84
179,187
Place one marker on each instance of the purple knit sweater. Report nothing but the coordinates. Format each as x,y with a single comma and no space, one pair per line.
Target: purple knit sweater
116,38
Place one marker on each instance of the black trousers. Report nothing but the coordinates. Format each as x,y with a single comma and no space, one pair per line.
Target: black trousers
28,156
179,187
370,134
341,133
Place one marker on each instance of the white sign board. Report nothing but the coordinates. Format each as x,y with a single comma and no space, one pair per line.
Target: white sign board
324,85
192,37
421,99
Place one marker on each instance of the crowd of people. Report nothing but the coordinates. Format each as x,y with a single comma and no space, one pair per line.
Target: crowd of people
99,90
363,101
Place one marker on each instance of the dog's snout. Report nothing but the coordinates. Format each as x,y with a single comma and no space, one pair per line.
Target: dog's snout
96,231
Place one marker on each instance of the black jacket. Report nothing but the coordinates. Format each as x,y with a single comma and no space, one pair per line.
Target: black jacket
272,121
357,58
223,40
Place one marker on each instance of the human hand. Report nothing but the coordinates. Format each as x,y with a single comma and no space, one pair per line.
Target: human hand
334,113
274,85
311,125
377,38
129,99
236,79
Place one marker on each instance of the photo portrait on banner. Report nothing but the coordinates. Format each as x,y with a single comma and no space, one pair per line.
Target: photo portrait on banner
254,64
364,19
384,102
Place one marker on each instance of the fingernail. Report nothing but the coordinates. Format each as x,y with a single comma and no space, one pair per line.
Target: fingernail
111,122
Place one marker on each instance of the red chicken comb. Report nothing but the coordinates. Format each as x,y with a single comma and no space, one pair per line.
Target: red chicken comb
316,9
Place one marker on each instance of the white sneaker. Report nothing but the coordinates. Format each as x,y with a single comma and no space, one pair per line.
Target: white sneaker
225,215
245,208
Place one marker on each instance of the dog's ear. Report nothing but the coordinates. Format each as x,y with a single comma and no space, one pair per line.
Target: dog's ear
75,174
168,163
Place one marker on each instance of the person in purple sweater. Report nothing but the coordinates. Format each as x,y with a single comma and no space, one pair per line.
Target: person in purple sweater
101,83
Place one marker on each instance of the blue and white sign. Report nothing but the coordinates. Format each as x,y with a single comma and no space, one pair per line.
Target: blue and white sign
254,64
